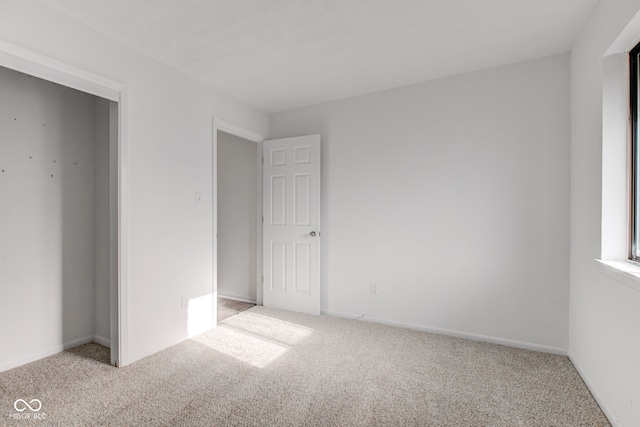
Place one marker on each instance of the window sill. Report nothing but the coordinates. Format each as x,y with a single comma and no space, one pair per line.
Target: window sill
622,271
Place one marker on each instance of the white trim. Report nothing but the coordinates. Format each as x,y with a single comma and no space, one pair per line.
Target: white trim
35,64
230,128
102,341
5,366
627,39
625,272
615,161
236,130
53,351
76,343
450,332
236,297
597,396
124,357
32,358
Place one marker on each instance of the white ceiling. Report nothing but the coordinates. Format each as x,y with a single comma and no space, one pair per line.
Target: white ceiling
283,54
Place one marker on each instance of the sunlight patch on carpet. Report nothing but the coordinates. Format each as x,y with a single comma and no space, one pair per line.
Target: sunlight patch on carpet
270,328
244,347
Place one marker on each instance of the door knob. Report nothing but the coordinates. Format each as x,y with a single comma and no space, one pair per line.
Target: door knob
312,234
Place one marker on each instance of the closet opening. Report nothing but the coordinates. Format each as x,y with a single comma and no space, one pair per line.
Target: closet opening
59,269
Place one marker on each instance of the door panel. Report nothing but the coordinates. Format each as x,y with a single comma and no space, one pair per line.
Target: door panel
278,266
291,231
302,202
301,264
278,200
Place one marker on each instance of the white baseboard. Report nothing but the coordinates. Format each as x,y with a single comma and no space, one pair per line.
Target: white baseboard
594,392
79,341
31,358
451,333
102,341
235,297
54,350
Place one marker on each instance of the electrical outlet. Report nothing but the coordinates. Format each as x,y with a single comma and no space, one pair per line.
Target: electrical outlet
373,288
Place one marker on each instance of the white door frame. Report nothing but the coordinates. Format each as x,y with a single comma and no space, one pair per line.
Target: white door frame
240,132
37,65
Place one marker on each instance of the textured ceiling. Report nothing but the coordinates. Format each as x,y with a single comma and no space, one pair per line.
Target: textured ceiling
283,54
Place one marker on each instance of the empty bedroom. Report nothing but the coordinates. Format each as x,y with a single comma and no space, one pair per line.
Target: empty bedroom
319,213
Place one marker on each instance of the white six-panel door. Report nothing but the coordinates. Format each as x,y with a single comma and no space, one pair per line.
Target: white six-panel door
291,229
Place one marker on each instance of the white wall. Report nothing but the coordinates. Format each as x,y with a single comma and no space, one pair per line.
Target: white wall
169,159
47,158
237,217
452,196
604,314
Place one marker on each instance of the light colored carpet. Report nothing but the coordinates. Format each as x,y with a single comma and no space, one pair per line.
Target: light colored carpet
267,367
